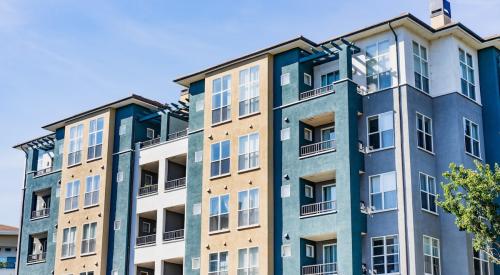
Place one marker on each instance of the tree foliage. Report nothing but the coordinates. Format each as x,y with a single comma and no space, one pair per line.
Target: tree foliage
472,196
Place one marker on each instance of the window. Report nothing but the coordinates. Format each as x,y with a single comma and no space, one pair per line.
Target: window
198,156
328,133
219,158
248,207
219,213
248,261
150,133
88,238
95,138
75,144
383,191
385,254
249,91
308,191
308,134
92,190
217,263
148,180
428,193
44,159
424,132
286,250
378,67
195,263
221,99
471,138
309,251
481,263
307,79
248,152
285,79
420,66
431,256
285,134
68,243
329,78
381,131
285,191
467,74
72,191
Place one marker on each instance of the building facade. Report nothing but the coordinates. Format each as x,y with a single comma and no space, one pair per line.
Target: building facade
8,249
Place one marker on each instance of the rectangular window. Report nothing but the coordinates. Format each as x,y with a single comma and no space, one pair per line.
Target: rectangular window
219,213
467,74
72,192
219,158
249,91
431,256
420,66
95,138
248,207
150,133
68,242
424,132
428,193
221,99
385,254
309,251
89,238
248,261
308,134
329,78
378,67
481,263
471,135
328,133
285,79
92,190
381,131
218,263
307,79
309,191
383,191
248,151
75,144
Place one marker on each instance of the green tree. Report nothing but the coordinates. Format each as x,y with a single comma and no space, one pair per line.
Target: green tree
472,196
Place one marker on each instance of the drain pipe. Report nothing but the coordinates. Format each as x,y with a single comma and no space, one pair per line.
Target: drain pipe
405,214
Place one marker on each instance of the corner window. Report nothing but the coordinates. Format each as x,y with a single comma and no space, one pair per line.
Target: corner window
378,67
68,242
248,207
249,91
219,213
248,261
248,151
285,79
329,78
218,263
383,191
89,238
431,256
428,193
221,99
219,158
92,190
420,67
307,79
95,138
381,131
424,132
471,136
72,192
75,144
385,254
467,82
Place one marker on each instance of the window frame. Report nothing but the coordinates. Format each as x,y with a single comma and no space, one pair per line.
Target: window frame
251,96
469,68
219,270
219,213
93,142
88,239
308,132
306,187
427,192
75,145
378,57
222,93
74,196
472,139
335,77
150,133
424,132
325,129
385,253
382,192
71,232
308,79
220,159
432,252
423,62
249,208
482,258
93,192
250,269
379,132
310,248
247,153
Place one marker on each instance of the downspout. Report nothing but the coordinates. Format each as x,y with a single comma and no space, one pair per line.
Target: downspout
405,214
22,210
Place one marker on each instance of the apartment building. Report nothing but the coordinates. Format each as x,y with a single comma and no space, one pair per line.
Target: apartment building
8,249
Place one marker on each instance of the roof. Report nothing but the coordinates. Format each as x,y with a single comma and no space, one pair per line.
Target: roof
8,230
23,145
406,18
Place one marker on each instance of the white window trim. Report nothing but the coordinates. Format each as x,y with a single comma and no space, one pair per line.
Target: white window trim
311,249
75,144
92,192
383,196
326,128
73,196
307,79
465,120
249,208
481,261
422,61
308,132
424,117
89,239
379,132
432,256
249,85
334,185
308,187
218,271
69,242
385,251
427,192
248,152
377,57
94,137
150,133
467,74
220,159
249,267
221,92
219,213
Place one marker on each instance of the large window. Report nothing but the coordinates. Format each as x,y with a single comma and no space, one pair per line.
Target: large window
249,91
329,78
378,67
467,74
424,132
219,213
248,207
68,243
381,131
92,190
420,65
221,99
383,191
431,256
88,238
95,138
219,158
428,192
481,263
72,192
218,263
385,254
248,151
471,134
248,261
75,144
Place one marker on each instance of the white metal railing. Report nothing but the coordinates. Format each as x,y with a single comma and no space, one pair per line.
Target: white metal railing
173,235
43,171
177,135
145,240
148,189
320,269
318,147
38,257
318,208
316,92
40,213
150,142
174,184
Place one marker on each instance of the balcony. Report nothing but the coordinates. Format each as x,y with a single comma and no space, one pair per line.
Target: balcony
175,184
173,235
40,213
145,240
43,171
316,92
320,255
149,179
37,258
41,204
320,269
318,193
317,134
146,229
316,148
318,208
38,248
148,190
177,135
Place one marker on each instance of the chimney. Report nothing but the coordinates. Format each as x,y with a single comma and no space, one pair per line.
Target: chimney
440,13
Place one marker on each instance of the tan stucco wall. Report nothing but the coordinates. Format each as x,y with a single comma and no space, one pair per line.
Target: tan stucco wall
8,240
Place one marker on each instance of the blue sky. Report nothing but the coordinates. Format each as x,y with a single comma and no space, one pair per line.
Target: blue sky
58,58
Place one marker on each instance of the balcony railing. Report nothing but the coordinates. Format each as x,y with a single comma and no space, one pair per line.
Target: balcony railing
148,190
318,208
175,184
316,92
145,240
43,171
316,148
320,269
149,143
173,235
177,135
38,257
40,213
